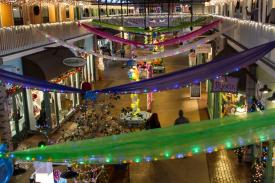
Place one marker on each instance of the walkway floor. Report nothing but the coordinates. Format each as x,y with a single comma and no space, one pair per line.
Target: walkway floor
218,167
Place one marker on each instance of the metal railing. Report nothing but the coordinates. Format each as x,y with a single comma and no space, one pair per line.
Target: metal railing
250,33
18,38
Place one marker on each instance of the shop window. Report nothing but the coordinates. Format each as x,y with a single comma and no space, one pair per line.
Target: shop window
53,105
233,104
65,101
86,12
37,100
45,14
17,15
67,12
17,113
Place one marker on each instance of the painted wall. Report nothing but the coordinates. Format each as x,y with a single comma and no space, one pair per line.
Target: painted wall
52,15
35,19
265,78
71,10
6,15
62,10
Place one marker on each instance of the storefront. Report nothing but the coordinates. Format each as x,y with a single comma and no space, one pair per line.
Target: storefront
17,102
227,94
53,108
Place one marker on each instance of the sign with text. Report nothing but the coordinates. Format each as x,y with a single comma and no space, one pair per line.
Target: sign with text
195,91
225,84
204,48
192,59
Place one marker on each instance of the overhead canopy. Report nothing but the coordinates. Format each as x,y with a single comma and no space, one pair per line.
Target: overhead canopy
47,64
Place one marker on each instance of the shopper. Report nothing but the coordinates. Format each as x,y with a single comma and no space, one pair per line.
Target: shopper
122,52
181,119
238,10
253,13
153,122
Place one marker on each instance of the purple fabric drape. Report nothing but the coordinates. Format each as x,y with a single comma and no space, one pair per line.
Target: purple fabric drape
184,77
190,35
172,41
169,81
28,82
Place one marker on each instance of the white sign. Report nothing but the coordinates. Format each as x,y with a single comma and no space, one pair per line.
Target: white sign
195,91
74,62
204,48
192,59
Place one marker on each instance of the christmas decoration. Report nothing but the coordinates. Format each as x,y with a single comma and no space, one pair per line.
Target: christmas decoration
164,143
257,172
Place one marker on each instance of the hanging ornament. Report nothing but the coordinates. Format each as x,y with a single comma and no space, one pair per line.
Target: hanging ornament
86,86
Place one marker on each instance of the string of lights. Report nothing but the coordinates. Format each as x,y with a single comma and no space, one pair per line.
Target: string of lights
166,143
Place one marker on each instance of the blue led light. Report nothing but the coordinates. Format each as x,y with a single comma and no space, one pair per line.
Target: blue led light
179,155
210,149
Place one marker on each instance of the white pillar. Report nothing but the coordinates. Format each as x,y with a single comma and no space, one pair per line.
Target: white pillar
259,10
231,9
264,11
244,9
5,130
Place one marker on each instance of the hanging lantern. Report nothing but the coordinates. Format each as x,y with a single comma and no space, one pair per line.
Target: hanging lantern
86,86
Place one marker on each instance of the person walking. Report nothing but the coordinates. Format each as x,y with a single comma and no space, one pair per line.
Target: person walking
153,122
181,119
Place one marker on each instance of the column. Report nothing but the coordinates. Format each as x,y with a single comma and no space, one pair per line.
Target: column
5,130
244,9
259,10
48,109
269,168
264,10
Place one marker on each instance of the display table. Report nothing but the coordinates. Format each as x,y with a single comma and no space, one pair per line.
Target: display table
135,121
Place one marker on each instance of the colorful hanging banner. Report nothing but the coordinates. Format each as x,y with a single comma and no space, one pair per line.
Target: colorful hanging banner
172,41
181,78
140,58
164,143
140,30
29,82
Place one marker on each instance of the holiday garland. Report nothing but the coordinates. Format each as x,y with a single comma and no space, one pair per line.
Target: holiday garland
140,30
166,143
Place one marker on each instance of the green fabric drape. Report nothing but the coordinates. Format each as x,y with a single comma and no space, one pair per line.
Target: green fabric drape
141,30
164,143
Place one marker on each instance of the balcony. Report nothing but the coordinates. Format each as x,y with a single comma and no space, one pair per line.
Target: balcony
20,38
249,33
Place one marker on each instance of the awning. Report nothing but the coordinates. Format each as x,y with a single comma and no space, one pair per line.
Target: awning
47,64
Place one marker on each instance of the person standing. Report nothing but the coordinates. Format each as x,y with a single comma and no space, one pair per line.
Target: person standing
122,52
153,122
181,119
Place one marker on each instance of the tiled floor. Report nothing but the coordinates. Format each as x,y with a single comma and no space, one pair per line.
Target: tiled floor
218,167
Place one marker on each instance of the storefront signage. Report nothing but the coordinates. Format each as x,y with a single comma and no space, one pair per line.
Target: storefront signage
74,62
225,84
195,91
192,59
204,48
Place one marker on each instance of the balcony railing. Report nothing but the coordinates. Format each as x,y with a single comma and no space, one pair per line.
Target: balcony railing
250,33
19,38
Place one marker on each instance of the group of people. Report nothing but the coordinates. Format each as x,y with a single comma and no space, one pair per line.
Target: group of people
153,121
